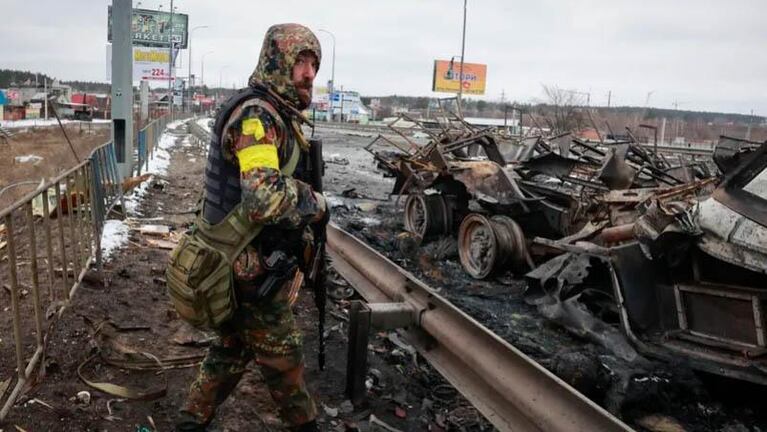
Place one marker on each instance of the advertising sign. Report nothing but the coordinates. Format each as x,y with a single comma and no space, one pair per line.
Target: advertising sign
446,80
152,28
13,97
149,64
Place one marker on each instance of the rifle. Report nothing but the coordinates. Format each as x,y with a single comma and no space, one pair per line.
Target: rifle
317,276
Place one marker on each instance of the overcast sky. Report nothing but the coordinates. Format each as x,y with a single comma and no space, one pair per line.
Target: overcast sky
702,54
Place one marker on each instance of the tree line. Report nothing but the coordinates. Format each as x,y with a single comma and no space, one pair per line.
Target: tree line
10,77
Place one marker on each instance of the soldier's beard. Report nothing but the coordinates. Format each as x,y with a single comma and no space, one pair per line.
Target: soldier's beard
304,96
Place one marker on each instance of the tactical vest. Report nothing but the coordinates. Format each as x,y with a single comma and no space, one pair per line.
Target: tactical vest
222,178
199,275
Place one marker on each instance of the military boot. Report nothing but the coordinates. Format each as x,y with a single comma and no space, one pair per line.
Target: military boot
189,426
188,423
306,427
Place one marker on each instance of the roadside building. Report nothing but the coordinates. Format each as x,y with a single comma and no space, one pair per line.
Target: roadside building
343,106
98,104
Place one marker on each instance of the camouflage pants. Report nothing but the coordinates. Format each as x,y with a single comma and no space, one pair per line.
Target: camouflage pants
266,333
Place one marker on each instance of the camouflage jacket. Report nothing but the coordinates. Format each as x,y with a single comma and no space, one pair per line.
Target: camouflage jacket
259,141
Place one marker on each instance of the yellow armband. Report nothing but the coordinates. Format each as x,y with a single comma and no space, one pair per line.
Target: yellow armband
258,156
254,127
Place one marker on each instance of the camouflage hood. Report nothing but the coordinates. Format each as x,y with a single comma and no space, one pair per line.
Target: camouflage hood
282,44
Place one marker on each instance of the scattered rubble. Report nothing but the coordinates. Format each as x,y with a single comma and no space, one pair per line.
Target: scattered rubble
642,253
498,192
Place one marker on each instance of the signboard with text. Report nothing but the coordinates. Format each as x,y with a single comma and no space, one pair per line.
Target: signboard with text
150,64
152,28
446,77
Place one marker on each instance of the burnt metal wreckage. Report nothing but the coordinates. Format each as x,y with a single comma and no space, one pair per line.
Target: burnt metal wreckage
644,253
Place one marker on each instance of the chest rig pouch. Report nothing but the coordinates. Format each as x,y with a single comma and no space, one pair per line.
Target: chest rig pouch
199,275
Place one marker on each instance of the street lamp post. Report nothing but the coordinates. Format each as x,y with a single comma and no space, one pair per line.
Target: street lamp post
202,68
332,71
189,73
220,75
170,63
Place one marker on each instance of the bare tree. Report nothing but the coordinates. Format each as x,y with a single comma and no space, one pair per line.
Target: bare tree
565,106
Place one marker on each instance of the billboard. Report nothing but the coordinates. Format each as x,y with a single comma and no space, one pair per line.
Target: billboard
152,28
445,78
149,64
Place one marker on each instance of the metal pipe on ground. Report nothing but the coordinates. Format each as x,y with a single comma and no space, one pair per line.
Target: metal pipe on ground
617,234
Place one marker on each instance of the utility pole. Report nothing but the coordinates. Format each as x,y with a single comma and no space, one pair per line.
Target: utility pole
332,88
221,75
463,51
750,121
189,66
122,85
170,63
202,68
609,97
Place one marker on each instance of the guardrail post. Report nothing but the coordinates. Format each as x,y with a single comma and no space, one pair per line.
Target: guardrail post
357,358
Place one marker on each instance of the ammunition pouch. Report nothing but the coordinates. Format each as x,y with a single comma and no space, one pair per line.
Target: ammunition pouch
199,275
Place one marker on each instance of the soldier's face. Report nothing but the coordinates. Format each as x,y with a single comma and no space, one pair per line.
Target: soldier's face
304,71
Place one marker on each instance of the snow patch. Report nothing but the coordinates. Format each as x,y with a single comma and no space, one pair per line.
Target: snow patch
158,165
369,221
204,123
175,124
113,237
30,158
334,201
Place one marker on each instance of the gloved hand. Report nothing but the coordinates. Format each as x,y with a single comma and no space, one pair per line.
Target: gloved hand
323,216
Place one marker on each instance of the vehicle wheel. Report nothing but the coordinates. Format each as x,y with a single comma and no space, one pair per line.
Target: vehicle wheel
427,215
487,245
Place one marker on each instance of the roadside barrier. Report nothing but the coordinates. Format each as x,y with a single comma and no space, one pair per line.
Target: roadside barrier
48,241
146,141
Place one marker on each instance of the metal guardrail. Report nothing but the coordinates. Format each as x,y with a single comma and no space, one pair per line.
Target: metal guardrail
200,135
51,237
147,140
512,391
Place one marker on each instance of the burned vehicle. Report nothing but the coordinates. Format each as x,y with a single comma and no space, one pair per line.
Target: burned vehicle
690,283
498,192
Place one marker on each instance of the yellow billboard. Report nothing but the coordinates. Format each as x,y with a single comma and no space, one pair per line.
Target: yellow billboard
445,79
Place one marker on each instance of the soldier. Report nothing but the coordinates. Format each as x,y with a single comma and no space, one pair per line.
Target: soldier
255,137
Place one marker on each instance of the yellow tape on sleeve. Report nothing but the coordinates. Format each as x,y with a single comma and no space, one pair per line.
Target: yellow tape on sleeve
258,156
253,126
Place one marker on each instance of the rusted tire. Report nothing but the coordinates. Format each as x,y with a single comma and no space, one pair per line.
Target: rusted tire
487,245
427,215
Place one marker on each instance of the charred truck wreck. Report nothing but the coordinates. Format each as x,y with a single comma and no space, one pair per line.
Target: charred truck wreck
670,251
